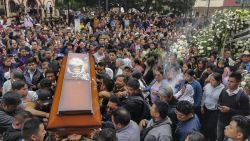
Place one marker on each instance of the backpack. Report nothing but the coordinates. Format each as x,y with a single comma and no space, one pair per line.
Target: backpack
238,96
146,111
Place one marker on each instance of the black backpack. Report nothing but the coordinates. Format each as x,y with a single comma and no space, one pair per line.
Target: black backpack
146,111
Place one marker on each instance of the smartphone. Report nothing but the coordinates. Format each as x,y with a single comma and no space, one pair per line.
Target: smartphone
217,106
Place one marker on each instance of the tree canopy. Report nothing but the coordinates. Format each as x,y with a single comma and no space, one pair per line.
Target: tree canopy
176,6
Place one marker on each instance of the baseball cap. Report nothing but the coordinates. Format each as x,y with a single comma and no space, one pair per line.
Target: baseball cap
45,96
246,53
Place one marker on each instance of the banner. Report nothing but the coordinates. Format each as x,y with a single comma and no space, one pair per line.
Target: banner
77,25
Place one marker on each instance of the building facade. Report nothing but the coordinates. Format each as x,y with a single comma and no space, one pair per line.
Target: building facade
201,6
12,7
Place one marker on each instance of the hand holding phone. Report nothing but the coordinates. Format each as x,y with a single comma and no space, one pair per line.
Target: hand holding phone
224,109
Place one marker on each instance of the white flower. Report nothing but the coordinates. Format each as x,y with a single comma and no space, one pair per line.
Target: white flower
201,51
243,83
200,47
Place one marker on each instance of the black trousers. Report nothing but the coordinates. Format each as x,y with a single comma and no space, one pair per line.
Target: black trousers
209,124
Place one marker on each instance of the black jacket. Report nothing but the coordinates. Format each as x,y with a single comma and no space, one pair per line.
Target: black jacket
137,107
12,134
6,120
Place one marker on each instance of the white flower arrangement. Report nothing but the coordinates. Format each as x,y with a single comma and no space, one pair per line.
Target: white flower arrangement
180,48
245,80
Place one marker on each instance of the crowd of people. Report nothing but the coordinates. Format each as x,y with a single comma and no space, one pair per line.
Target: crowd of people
154,98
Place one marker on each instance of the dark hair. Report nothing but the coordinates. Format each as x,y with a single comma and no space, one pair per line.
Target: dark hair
107,134
184,107
123,76
243,125
160,70
122,116
45,83
137,61
195,136
112,51
190,72
109,84
236,75
116,100
151,61
49,71
211,66
137,75
101,64
203,62
30,127
213,54
24,115
128,68
19,75
217,76
11,98
162,108
17,85
43,94
188,65
30,60
22,48
133,83
224,61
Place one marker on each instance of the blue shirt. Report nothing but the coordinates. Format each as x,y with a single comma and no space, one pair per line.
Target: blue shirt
197,93
184,128
248,66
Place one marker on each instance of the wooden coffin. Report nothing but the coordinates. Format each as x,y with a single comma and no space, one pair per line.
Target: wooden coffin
75,107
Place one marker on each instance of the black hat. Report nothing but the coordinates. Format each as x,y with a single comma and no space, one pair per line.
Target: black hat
45,96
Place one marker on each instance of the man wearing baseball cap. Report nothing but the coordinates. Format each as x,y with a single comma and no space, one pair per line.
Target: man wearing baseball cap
246,59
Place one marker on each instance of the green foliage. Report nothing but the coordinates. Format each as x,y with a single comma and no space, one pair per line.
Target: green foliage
181,6
176,6
156,53
74,4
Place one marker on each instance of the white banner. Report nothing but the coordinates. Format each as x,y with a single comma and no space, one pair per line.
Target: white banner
77,25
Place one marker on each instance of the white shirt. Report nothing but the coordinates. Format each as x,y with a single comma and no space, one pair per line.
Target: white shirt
98,57
234,92
119,72
110,72
31,97
232,140
211,96
31,74
127,62
188,94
